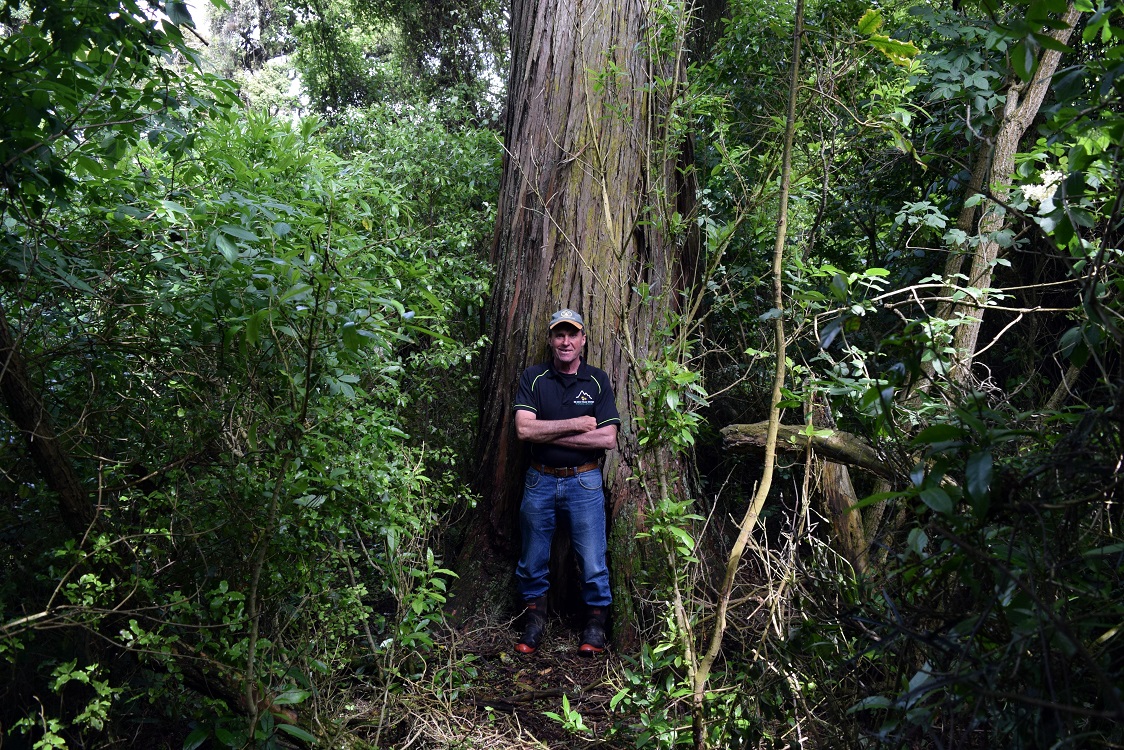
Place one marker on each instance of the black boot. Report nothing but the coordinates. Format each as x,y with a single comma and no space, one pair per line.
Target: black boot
593,636
534,626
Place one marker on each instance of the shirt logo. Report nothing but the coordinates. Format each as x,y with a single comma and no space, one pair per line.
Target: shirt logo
583,399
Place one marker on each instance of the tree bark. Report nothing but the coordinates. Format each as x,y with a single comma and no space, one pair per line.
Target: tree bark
583,157
832,488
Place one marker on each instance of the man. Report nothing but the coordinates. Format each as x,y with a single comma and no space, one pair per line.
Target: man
566,410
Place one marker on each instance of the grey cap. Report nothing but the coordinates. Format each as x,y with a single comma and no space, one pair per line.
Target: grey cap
566,315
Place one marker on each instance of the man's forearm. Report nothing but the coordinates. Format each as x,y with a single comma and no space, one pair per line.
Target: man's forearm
550,430
603,437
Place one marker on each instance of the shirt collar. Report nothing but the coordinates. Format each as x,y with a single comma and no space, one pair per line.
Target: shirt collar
581,374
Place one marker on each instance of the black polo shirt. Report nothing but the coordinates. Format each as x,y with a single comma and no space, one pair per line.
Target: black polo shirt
551,395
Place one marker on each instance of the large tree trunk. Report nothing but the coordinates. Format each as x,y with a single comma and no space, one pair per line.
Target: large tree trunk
583,158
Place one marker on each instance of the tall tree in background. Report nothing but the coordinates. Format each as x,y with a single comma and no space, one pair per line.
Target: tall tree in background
358,53
594,188
247,33
1034,61
448,43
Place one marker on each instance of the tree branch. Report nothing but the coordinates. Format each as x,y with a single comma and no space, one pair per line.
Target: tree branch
841,447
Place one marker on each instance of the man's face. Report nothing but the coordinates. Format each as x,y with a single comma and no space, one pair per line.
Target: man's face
566,343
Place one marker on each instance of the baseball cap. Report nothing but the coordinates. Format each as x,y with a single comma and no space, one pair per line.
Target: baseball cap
566,315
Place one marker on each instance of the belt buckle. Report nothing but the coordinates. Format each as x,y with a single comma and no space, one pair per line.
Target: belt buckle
563,471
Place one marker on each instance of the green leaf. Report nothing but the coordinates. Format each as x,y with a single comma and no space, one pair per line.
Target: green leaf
134,212
917,541
917,475
1025,59
1048,42
1111,549
901,143
829,332
89,166
1082,218
874,701
174,208
419,329
393,303
870,22
253,327
683,537
197,737
178,13
226,737
937,499
898,52
938,433
295,731
301,289
772,314
239,232
291,697
350,335
979,471
76,283
229,249
877,497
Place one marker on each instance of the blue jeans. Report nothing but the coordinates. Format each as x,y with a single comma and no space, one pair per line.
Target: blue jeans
578,501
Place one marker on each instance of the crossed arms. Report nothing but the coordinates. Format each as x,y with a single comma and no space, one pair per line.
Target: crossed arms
580,432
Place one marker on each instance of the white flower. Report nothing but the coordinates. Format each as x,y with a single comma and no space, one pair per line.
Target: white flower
1042,193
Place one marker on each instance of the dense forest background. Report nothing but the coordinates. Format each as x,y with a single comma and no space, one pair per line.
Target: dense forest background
257,279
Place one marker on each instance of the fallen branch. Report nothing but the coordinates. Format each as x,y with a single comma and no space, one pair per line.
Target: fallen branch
840,447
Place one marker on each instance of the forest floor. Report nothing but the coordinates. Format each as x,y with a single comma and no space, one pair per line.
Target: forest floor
503,696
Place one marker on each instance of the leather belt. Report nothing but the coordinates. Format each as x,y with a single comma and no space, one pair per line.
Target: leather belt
563,471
